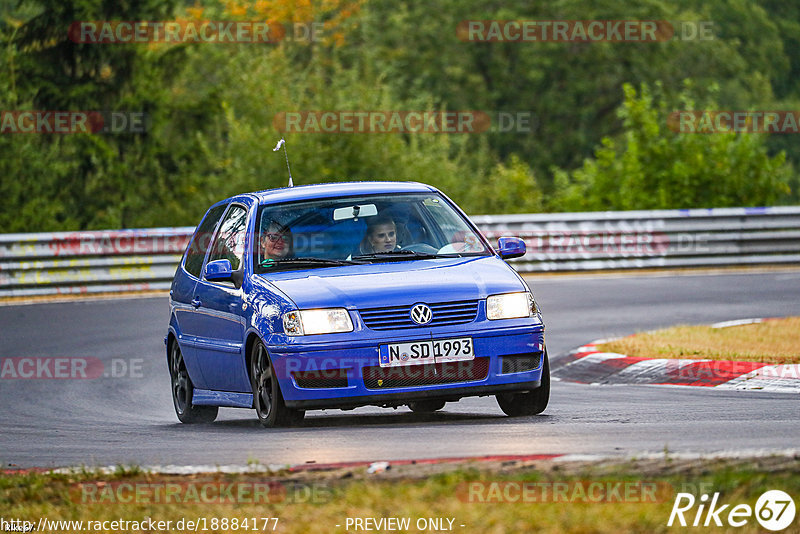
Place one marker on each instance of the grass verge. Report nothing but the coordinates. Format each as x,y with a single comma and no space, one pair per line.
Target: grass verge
542,496
773,341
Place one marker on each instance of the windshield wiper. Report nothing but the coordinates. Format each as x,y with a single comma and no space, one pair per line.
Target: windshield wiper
312,262
399,255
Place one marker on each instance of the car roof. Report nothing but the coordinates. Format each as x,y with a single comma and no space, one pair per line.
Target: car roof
338,189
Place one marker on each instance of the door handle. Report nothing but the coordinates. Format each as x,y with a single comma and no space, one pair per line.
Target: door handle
196,302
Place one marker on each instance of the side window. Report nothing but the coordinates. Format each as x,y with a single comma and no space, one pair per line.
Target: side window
200,241
229,243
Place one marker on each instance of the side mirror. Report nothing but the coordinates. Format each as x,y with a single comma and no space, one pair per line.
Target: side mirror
218,271
511,247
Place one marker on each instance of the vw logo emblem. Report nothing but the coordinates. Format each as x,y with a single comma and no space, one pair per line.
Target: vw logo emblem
421,314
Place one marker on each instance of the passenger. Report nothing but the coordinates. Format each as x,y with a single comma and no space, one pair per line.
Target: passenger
276,243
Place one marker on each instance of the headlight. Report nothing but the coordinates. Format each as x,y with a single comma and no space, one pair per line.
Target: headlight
510,306
308,322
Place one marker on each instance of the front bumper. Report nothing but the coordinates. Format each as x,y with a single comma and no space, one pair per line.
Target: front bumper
347,374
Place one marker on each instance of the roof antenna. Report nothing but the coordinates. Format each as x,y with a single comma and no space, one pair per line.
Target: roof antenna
282,143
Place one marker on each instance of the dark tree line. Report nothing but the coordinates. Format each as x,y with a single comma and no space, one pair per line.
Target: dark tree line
598,139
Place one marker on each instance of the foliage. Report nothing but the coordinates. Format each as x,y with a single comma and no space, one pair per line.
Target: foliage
650,166
508,188
572,88
211,109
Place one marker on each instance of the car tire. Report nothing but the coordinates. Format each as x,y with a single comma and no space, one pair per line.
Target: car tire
426,406
267,396
183,391
528,402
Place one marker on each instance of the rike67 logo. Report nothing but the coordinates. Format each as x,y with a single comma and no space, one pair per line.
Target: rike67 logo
774,510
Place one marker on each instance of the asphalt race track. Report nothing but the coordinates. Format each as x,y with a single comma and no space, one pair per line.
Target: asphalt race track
130,419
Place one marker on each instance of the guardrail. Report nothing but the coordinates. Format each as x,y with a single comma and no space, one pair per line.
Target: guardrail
719,237
142,260
90,262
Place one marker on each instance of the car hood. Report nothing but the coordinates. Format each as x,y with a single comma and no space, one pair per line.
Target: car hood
398,283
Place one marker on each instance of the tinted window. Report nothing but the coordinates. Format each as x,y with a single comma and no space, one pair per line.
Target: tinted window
202,237
351,227
229,243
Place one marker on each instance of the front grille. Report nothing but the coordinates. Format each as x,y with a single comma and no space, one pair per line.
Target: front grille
399,317
324,378
426,375
518,363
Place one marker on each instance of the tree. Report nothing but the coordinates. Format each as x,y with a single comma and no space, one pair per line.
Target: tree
650,166
572,88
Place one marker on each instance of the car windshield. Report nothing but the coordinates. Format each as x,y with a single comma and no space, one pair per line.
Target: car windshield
362,229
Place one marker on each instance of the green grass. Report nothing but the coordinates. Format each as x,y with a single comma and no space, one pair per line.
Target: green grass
317,503
774,342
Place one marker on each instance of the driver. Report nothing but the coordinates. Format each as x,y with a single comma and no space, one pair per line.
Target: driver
276,243
381,235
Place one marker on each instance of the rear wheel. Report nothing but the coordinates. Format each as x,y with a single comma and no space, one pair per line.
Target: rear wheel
267,397
528,402
183,390
426,406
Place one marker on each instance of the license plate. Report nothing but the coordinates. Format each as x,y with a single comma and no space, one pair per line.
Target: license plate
422,352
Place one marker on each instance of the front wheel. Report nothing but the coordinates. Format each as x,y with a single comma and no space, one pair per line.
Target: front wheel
528,402
267,397
183,391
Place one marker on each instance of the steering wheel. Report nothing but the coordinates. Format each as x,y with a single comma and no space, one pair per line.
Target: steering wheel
422,248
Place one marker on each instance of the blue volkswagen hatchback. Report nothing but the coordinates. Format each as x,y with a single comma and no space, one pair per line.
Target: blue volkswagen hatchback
345,295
